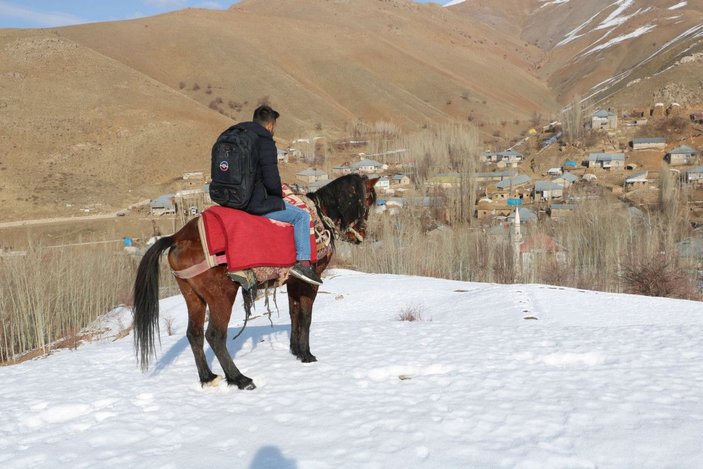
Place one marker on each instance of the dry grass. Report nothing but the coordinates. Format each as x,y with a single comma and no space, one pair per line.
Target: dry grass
411,313
593,249
48,296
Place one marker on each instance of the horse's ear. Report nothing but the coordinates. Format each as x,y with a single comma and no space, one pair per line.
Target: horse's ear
371,182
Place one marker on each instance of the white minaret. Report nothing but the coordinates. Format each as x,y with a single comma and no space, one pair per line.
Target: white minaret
516,239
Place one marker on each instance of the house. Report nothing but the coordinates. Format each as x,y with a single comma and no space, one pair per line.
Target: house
313,186
566,180
658,110
368,166
311,175
695,175
697,117
513,182
539,245
557,211
606,160
493,176
674,109
554,171
164,204
383,184
488,208
506,156
282,155
680,156
604,120
568,164
547,190
400,180
526,215
647,143
342,169
636,180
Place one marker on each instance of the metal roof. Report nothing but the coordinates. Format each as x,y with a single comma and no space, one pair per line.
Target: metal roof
648,140
514,181
311,172
603,113
568,177
638,177
606,157
683,150
541,186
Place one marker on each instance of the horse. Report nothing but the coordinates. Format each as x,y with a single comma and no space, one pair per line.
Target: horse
343,206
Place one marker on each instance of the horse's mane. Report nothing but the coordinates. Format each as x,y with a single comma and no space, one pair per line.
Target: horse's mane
342,200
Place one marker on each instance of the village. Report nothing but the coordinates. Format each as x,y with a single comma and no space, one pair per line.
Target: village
537,176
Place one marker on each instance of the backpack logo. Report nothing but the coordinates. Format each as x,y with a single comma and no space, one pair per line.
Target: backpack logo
224,166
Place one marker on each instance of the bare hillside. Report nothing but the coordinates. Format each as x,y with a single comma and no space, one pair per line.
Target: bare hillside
98,116
80,129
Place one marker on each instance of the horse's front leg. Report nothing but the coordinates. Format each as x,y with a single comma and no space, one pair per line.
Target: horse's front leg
301,297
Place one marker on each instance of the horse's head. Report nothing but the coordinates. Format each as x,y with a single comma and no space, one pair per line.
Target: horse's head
356,231
346,203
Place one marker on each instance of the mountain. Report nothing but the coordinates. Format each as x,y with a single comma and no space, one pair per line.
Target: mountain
487,376
93,111
99,116
622,52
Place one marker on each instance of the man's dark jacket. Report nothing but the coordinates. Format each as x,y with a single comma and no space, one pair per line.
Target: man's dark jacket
267,195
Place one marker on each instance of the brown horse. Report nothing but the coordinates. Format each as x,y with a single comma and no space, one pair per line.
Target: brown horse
343,205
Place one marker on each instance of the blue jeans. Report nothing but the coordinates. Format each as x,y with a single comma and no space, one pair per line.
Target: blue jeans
300,219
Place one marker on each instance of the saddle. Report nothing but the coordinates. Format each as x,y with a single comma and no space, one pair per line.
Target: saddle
255,249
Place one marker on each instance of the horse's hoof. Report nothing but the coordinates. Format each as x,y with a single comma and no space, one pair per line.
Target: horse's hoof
307,358
249,387
242,382
213,382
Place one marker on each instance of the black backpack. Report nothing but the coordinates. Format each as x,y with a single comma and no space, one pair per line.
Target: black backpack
233,167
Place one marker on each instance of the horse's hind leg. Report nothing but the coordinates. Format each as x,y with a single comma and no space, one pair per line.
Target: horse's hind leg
216,336
196,321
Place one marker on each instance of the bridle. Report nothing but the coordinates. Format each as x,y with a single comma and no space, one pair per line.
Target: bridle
344,234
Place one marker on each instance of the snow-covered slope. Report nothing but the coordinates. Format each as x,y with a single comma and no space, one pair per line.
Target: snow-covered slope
588,379
596,48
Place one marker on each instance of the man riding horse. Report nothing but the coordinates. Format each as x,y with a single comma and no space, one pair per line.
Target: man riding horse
267,195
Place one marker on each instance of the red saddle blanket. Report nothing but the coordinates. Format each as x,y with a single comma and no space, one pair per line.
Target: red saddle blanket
249,240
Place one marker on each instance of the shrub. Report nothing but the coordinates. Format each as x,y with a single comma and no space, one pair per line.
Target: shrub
411,313
658,276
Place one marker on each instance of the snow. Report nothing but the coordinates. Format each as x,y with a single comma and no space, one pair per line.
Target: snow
596,380
615,18
678,5
623,37
453,2
552,2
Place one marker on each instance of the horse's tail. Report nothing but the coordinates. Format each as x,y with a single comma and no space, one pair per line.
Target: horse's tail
146,302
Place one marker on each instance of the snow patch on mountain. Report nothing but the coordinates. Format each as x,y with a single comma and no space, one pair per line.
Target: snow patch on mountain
623,37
